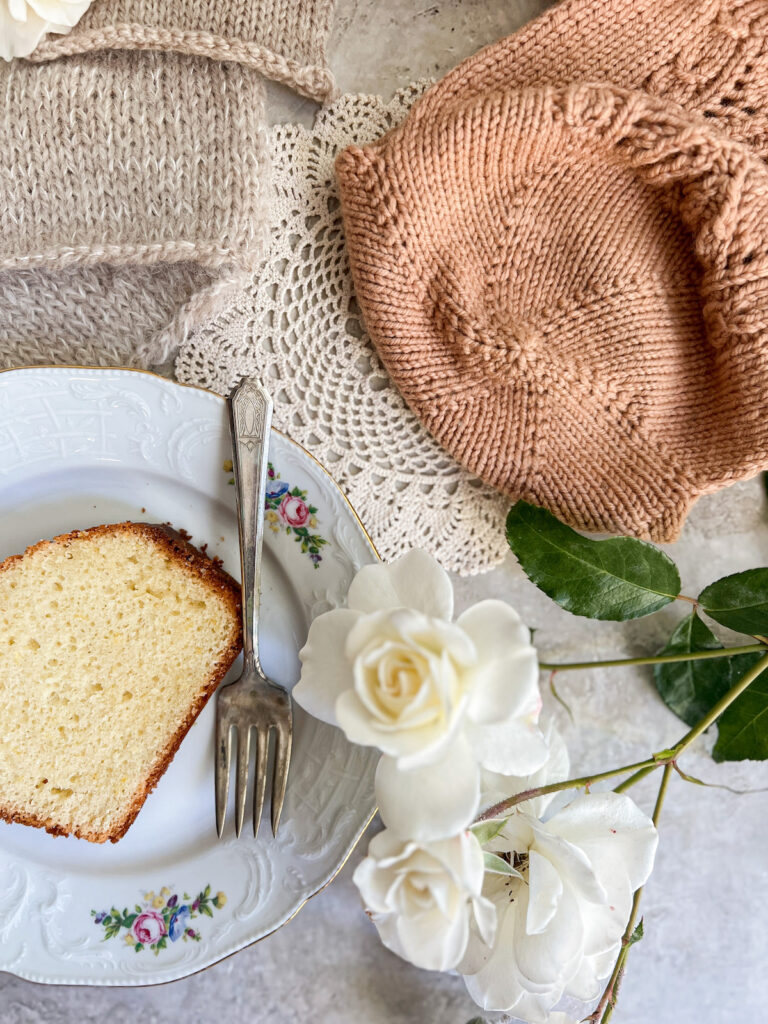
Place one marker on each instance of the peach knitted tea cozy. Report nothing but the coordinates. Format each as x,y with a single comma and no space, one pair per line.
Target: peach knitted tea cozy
562,257
133,171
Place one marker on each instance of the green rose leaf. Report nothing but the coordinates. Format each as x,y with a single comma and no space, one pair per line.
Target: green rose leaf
743,727
637,934
485,831
619,578
498,866
739,601
692,688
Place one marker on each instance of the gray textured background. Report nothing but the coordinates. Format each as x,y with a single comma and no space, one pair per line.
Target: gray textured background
702,961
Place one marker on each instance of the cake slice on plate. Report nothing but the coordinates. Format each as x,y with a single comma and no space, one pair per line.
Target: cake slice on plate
111,642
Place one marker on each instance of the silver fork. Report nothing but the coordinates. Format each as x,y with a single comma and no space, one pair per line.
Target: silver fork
252,702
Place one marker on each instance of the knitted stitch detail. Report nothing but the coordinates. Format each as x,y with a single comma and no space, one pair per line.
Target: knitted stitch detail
592,339
284,39
710,56
121,159
317,83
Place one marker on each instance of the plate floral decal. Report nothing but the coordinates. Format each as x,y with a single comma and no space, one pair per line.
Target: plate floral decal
288,507
160,918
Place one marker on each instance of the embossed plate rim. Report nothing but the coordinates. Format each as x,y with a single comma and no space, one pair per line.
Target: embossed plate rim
213,953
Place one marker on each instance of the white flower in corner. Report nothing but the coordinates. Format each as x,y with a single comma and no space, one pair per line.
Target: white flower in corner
439,698
23,23
425,899
562,912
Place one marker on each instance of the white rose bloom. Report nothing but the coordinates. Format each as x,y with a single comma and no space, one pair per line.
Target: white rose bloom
439,698
23,23
562,915
425,899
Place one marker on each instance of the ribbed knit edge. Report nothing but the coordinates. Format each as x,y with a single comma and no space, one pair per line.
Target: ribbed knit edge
315,82
208,255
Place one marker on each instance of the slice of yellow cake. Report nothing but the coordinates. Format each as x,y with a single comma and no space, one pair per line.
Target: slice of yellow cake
111,642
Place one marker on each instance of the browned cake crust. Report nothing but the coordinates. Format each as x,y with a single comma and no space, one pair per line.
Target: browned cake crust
196,564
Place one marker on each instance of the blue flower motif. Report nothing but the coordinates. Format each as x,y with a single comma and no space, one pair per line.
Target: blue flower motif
178,922
277,489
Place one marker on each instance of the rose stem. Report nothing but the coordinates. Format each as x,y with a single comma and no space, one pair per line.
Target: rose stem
611,993
658,659
641,768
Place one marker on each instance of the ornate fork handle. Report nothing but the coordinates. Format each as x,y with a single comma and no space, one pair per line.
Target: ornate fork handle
250,415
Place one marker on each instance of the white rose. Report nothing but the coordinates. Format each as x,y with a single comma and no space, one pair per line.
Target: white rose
562,915
23,23
439,698
425,899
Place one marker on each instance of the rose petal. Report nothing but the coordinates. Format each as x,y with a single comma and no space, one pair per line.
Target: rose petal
511,748
497,787
495,627
415,580
326,671
541,958
496,984
619,839
546,888
432,801
604,925
413,747
571,863
432,941
590,977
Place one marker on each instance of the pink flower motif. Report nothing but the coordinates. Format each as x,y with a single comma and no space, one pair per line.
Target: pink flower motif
293,510
149,927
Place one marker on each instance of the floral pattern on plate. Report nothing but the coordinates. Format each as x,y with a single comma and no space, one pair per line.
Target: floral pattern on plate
288,507
161,918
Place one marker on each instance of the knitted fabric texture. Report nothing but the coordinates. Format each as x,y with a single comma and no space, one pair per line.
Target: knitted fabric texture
283,39
133,171
568,282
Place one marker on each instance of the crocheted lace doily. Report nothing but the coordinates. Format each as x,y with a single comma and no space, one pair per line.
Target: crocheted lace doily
298,328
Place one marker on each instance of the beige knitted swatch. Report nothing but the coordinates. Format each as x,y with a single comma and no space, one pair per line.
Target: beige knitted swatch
133,171
569,283
284,39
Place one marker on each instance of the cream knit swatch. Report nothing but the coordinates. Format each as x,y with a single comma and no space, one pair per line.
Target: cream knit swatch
124,160
283,39
133,171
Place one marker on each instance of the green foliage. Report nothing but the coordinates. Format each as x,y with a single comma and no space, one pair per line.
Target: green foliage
619,578
637,934
692,688
739,601
743,727
498,866
485,831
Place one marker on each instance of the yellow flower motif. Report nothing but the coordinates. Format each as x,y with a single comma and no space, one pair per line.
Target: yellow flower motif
129,940
149,896
221,899
274,528
158,902
165,892
313,521
271,516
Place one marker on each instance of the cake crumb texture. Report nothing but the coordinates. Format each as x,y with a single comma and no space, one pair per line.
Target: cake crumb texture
111,641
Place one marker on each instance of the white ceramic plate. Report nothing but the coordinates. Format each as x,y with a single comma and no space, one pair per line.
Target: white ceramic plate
80,447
